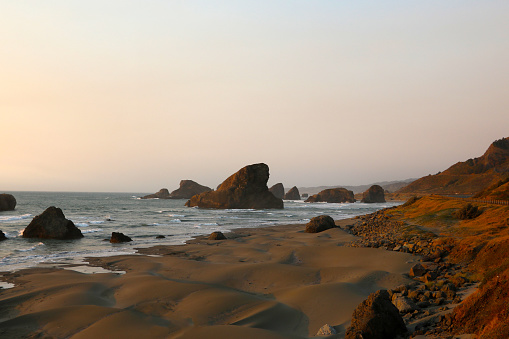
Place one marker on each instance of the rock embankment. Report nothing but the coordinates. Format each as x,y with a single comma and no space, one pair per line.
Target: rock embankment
437,285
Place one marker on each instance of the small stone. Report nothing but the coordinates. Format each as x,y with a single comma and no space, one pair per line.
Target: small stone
326,330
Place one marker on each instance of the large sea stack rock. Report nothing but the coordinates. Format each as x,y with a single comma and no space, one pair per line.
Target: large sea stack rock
7,202
292,194
337,195
245,189
278,190
162,194
374,194
52,224
320,224
376,317
187,189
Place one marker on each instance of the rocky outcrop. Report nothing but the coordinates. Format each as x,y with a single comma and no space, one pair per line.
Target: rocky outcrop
292,194
117,237
278,190
376,317
52,224
187,189
333,195
7,202
162,194
373,195
217,236
320,224
245,189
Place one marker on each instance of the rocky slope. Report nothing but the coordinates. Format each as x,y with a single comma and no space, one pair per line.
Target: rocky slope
468,177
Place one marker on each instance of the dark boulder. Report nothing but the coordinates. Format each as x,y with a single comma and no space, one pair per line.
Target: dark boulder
376,317
245,189
7,202
117,237
373,195
52,224
217,236
162,194
333,195
319,224
292,194
187,189
2,236
278,190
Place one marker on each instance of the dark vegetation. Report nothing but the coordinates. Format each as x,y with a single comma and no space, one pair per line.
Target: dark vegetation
468,212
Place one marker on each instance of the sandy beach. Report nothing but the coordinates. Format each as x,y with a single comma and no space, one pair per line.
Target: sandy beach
275,282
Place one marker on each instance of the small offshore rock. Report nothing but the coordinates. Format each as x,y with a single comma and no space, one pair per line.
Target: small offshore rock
217,236
2,236
160,237
292,194
117,237
52,224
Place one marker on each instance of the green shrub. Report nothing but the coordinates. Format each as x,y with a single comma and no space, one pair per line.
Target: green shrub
410,201
468,212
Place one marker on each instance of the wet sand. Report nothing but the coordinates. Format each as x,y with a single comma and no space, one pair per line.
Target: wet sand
275,282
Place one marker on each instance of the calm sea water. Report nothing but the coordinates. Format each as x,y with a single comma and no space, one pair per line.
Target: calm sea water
99,214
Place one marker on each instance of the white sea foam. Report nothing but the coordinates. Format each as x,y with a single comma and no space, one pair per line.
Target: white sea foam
81,224
30,248
176,215
8,218
96,222
175,220
209,224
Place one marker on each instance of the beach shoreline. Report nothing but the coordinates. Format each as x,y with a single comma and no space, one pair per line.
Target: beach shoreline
271,282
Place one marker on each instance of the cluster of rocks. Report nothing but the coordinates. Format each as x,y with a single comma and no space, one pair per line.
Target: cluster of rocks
379,230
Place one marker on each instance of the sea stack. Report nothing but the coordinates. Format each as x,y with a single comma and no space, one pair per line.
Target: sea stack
244,189
52,224
187,189
162,194
292,194
7,202
373,195
333,195
278,190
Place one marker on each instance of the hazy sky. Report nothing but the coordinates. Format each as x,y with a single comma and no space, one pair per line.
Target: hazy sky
134,96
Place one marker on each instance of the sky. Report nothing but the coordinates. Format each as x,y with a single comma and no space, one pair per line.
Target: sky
134,96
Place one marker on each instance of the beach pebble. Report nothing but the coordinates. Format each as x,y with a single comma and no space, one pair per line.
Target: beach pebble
326,330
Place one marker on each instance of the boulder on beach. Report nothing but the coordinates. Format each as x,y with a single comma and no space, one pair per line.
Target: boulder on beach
278,190
52,224
187,189
292,194
217,236
244,189
7,202
117,237
162,194
333,195
376,317
320,224
373,195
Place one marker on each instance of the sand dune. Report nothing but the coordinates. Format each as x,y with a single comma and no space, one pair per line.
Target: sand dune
276,282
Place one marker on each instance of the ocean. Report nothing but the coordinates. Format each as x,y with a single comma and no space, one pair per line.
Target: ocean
97,215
